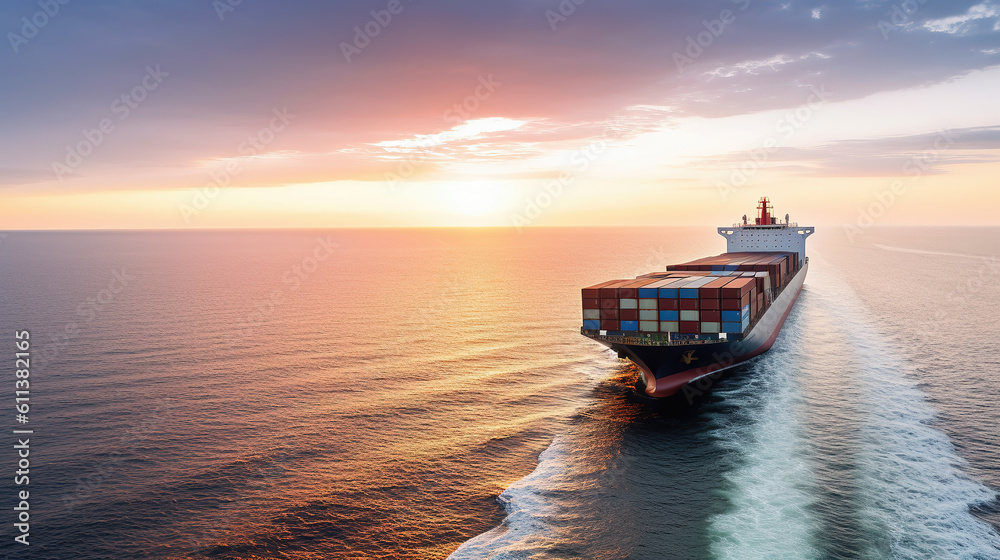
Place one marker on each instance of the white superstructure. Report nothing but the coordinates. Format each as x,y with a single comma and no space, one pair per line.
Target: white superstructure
767,234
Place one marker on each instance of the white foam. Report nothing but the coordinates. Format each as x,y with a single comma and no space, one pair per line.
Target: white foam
915,493
526,529
770,490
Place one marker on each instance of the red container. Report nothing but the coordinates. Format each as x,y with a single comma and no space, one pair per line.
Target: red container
628,315
731,305
609,325
760,284
610,290
594,291
711,315
631,290
669,304
609,303
609,314
691,304
738,287
712,290
591,303
710,304
690,327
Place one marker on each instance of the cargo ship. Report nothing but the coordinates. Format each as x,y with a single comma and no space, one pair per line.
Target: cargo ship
685,326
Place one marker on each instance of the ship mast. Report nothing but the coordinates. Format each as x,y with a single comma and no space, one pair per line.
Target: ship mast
764,210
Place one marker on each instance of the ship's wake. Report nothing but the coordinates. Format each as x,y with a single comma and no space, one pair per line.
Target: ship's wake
527,530
823,448
835,452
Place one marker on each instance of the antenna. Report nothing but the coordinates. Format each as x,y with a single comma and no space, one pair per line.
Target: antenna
787,221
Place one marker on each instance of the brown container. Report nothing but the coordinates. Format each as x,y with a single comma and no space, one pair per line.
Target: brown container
609,303
711,315
761,284
591,303
739,286
610,290
609,325
609,314
731,305
686,303
627,315
594,291
669,304
710,304
712,290
690,327
631,290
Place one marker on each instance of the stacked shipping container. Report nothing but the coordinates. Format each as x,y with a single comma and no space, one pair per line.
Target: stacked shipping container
713,295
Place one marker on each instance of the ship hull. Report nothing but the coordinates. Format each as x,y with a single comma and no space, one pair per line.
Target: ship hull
690,369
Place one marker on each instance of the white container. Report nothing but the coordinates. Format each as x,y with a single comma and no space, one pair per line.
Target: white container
708,327
689,315
592,314
649,315
669,326
647,303
629,304
648,326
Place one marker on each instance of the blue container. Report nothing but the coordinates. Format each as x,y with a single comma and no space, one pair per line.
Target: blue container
718,267
746,310
689,293
630,325
731,316
592,325
731,267
731,327
668,293
667,315
645,293
746,323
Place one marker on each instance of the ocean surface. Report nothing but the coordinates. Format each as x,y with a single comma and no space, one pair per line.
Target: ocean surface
418,394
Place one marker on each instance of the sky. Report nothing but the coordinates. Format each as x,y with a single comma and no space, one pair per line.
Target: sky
520,113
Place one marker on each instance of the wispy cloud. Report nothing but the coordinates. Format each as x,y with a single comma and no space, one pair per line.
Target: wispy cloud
964,24
469,130
872,157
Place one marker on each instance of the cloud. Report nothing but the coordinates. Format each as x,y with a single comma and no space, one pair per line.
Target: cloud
871,157
608,62
469,130
964,24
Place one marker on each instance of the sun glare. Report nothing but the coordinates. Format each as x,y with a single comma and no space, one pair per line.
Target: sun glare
474,199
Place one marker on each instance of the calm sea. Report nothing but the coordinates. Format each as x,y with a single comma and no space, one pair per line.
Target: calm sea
415,394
